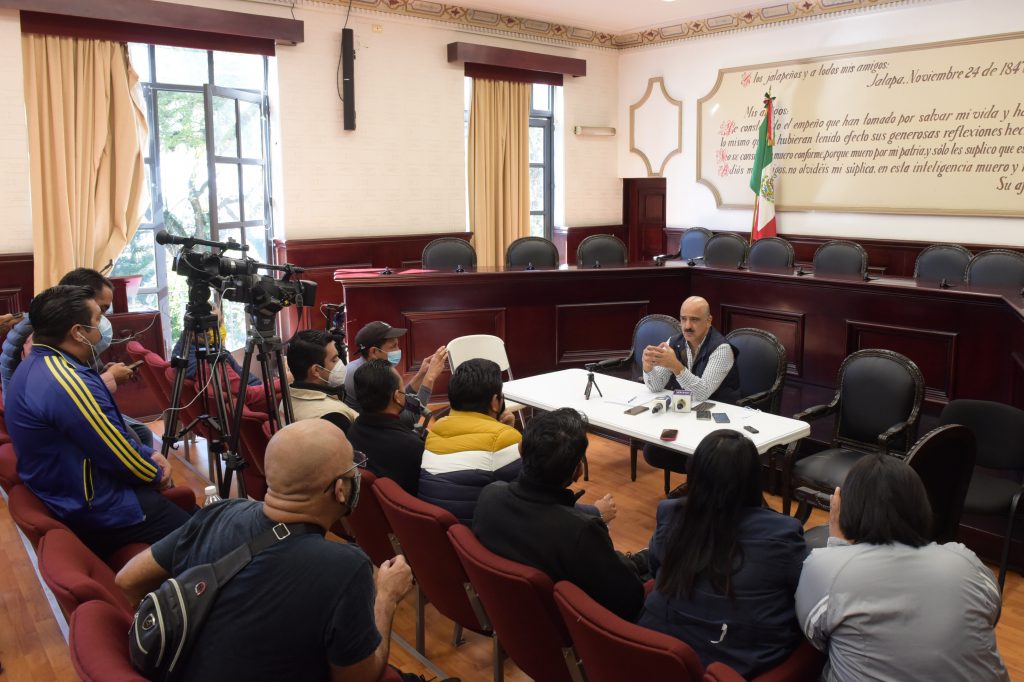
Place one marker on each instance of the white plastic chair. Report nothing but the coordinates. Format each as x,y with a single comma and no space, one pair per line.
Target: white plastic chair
488,347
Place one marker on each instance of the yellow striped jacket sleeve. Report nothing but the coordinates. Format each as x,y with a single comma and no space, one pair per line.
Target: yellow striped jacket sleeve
87,416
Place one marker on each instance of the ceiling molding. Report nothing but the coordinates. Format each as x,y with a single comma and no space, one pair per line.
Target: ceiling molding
548,31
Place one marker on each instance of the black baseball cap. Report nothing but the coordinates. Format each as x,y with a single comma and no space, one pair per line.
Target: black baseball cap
375,334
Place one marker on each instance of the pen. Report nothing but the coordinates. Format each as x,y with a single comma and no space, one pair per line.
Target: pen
630,401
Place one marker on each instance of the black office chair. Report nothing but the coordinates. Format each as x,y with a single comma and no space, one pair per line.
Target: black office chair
725,250
601,249
449,253
999,433
942,262
535,251
649,331
997,268
877,408
840,257
943,459
771,252
761,363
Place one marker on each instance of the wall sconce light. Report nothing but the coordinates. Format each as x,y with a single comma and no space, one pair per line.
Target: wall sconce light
592,131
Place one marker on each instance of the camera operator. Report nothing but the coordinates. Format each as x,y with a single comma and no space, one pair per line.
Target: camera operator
319,379
379,341
392,448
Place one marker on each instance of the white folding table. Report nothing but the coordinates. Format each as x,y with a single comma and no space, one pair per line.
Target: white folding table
565,389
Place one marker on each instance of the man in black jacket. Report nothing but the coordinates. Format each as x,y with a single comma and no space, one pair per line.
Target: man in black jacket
392,448
533,520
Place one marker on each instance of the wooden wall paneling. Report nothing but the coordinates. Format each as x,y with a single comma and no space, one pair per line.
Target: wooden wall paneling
432,329
933,351
980,323
355,252
787,326
531,302
575,340
135,398
1017,379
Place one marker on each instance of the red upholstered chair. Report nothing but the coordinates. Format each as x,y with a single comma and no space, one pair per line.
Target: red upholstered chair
252,444
75,574
33,517
117,559
421,529
182,496
803,665
98,644
613,649
153,379
8,467
520,603
369,525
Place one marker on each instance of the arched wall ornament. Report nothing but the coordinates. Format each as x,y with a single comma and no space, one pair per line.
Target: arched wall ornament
652,121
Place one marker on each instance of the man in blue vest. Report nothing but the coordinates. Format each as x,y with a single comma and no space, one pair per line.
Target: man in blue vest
700,359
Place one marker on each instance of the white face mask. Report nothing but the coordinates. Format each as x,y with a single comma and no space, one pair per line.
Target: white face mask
337,376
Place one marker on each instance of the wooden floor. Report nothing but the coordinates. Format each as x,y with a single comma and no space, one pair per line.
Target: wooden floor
32,648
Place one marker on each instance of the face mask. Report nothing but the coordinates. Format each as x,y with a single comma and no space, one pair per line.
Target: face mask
395,356
106,335
336,377
353,498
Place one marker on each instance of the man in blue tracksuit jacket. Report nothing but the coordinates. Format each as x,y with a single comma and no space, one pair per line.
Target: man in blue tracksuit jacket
74,450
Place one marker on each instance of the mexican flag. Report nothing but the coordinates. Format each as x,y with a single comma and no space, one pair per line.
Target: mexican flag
761,179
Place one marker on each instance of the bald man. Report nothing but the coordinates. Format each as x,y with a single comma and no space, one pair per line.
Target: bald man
700,359
303,609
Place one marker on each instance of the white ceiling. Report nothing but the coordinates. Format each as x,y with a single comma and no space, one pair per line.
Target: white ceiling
613,16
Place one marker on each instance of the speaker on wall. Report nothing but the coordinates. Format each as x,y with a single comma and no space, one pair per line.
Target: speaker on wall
348,78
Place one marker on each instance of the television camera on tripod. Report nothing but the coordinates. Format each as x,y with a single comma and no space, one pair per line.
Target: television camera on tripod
238,280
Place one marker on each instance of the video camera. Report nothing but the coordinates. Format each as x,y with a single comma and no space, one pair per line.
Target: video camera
238,279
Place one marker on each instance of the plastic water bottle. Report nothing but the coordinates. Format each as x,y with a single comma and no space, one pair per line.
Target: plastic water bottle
211,495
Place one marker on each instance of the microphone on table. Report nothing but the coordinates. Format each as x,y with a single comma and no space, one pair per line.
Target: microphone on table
944,284
459,268
800,271
693,261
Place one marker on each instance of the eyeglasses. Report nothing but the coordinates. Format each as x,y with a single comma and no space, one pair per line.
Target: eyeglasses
358,462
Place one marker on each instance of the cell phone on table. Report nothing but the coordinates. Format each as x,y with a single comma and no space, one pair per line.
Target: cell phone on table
636,409
704,406
669,434
704,415
751,429
720,417
135,364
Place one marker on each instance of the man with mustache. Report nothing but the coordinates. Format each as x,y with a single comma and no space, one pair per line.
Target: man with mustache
700,360
705,364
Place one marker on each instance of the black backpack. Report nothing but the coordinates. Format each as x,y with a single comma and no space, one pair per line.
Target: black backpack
169,619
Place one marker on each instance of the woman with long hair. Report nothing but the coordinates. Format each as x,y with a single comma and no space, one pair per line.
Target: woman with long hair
884,601
726,566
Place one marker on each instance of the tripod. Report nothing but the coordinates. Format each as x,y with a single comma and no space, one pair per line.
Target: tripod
214,406
263,336
591,383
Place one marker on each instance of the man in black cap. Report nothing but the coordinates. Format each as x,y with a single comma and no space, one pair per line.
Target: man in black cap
379,341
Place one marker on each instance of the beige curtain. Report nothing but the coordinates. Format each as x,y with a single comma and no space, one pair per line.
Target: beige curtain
498,167
87,136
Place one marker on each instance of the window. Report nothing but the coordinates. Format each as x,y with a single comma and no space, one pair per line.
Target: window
542,185
542,182
208,146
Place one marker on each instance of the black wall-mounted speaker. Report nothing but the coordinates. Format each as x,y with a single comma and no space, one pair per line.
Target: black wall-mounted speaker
348,77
